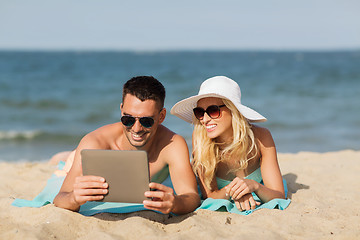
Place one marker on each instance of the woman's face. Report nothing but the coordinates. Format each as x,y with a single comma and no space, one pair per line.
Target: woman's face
219,128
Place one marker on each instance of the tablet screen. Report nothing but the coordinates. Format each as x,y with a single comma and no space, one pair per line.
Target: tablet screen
126,172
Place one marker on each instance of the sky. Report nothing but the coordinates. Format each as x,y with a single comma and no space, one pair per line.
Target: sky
179,25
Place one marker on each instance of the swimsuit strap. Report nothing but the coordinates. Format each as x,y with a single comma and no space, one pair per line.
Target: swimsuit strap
255,175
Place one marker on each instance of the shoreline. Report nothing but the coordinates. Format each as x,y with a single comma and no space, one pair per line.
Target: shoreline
323,188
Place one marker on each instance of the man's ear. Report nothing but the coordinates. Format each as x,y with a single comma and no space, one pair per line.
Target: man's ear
121,106
162,115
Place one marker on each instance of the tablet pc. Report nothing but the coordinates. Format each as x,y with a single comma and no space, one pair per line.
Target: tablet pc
126,172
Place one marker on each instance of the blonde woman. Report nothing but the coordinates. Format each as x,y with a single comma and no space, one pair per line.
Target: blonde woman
233,158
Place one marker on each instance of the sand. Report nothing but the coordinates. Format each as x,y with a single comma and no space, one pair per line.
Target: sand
324,189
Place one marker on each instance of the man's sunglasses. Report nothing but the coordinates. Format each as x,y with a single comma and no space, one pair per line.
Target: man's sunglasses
129,121
212,111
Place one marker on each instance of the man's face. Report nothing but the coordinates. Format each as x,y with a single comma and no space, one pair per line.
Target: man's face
138,135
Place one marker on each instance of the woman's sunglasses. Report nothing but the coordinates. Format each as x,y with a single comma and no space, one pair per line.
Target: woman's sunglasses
212,111
129,121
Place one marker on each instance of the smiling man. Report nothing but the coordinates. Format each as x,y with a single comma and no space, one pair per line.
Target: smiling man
140,128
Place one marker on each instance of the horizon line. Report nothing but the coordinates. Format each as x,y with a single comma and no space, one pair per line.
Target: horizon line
354,49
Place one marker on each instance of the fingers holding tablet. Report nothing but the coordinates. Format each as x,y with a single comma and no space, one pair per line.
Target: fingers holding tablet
89,188
162,199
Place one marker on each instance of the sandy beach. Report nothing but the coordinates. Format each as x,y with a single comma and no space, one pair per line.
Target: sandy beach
324,189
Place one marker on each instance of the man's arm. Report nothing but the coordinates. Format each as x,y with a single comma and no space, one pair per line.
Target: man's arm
183,179
78,189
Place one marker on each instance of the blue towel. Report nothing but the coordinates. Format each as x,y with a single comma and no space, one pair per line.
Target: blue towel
53,186
47,195
91,208
229,206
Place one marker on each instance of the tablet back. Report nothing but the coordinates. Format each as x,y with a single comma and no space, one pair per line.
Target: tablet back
126,172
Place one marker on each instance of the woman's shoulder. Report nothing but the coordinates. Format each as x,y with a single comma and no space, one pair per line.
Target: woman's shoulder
260,132
263,135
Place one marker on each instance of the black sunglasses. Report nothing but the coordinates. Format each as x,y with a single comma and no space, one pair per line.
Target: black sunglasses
212,111
129,121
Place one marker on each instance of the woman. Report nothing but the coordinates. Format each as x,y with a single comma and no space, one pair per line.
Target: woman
233,158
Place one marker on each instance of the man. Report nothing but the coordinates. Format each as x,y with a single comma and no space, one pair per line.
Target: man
142,111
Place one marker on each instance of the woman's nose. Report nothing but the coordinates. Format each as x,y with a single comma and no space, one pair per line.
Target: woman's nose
206,118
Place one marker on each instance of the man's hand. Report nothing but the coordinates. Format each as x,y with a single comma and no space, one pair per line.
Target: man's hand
163,200
89,188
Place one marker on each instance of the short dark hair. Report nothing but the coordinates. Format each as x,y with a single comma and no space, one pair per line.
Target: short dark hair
145,88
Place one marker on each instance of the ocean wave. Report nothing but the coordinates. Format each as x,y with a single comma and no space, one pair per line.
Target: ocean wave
19,135
22,160
40,104
38,136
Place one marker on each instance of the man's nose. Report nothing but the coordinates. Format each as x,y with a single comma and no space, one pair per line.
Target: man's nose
137,127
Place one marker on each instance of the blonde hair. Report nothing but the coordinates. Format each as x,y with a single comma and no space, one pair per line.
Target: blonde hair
207,153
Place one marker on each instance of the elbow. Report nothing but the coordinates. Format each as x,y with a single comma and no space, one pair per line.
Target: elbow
281,195
60,202
56,201
196,201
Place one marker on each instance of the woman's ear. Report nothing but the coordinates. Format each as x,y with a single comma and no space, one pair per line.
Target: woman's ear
162,115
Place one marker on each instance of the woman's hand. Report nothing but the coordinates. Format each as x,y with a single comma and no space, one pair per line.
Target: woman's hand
240,187
246,202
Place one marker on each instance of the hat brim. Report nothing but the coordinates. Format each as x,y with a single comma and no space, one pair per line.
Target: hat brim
184,108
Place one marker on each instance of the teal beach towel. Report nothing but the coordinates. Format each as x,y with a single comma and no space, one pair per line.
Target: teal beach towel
229,206
52,188
47,195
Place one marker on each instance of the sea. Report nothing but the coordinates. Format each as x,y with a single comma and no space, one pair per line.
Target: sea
50,99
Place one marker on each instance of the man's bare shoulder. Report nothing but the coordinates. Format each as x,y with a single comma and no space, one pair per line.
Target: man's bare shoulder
104,135
173,148
169,140
107,129
166,134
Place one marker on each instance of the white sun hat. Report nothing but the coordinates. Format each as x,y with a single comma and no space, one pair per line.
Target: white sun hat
221,87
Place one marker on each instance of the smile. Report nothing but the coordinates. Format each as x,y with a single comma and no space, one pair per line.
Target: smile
137,136
210,127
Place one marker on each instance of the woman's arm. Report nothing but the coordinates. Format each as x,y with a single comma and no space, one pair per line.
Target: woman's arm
273,184
214,192
240,189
